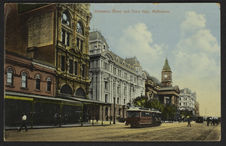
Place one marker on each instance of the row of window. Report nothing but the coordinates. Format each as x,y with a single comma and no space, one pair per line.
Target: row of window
73,66
24,76
65,35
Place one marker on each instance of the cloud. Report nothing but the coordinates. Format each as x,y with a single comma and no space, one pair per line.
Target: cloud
137,40
197,61
193,21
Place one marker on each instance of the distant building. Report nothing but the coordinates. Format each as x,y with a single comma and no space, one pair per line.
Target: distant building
152,86
188,101
167,93
114,80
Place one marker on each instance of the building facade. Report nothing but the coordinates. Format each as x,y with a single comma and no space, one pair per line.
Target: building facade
48,43
152,86
168,94
188,100
115,80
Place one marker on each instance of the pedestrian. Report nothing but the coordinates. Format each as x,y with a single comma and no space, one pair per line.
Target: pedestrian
55,119
189,121
208,121
59,119
24,122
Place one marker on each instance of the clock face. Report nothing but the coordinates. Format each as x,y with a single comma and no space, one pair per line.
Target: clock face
165,76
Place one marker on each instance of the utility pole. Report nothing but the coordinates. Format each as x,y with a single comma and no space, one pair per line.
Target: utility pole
114,112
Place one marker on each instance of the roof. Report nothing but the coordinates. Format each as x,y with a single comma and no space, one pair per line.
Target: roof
166,66
96,35
152,78
133,61
143,110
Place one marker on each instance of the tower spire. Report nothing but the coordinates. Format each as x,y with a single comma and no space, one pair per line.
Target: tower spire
166,74
166,66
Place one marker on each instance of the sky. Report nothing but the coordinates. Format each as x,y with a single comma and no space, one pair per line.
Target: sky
187,34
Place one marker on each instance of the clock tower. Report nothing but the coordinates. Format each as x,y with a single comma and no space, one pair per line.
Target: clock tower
166,75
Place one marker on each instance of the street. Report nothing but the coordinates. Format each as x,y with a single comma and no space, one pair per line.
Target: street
119,132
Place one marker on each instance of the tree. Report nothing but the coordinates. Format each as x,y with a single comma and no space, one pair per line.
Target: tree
169,111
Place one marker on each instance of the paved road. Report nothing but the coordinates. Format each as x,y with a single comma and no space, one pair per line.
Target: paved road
120,132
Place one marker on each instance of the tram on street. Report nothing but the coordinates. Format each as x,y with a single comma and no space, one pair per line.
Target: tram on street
140,117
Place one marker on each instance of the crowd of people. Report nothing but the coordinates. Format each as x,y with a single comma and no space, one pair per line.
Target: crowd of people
212,121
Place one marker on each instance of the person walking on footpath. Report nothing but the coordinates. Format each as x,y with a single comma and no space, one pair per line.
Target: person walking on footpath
24,122
208,121
189,121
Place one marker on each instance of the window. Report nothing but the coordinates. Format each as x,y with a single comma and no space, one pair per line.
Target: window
119,73
49,82
76,68
106,66
167,100
9,80
68,39
114,88
106,85
71,66
63,63
65,37
125,76
80,28
124,101
132,114
37,77
118,89
106,98
114,70
79,44
117,100
65,19
83,70
24,80
125,91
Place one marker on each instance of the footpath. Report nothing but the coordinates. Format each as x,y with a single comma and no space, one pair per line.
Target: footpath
105,123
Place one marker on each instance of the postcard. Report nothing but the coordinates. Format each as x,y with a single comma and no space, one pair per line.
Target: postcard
112,72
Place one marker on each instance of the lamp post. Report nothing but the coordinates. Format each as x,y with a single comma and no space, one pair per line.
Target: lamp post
114,112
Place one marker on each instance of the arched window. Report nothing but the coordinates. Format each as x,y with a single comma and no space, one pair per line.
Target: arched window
80,93
24,80
80,28
66,89
9,80
37,78
49,82
65,18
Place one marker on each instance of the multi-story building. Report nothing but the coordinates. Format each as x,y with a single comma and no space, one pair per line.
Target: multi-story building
152,86
115,80
187,100
55,38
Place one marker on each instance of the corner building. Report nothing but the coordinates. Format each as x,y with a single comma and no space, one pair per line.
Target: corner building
188,101
53,36
115,80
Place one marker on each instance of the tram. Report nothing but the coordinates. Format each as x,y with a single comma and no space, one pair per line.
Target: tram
140,117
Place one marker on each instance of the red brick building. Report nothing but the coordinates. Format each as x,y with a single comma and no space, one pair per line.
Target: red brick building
47,63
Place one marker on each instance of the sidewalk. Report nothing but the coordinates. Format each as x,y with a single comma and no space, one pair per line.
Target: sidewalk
99,123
